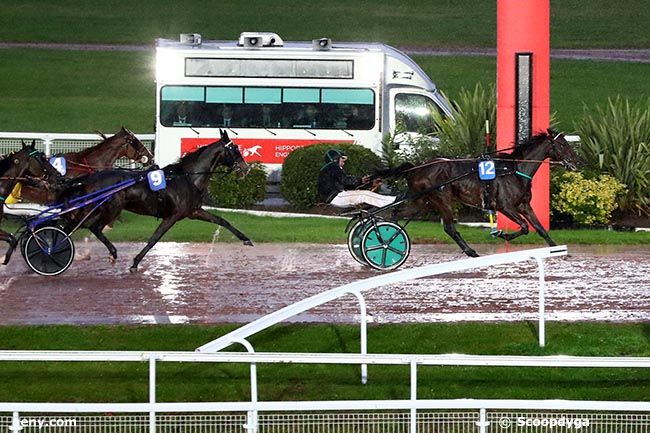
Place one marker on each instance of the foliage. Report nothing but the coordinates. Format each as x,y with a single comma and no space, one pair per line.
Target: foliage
616,140
228,190
464,134
587,201
300,170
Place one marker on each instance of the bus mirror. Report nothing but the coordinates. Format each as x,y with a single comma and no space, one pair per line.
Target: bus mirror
322,44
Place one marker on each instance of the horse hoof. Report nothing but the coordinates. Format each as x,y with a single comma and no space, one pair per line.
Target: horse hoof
471,253
133,269
248,243
112,260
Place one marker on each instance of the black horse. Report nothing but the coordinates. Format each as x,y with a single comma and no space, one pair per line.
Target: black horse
437,184
186,183
13,169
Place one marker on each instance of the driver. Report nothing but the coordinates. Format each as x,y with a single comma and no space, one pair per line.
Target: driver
339,189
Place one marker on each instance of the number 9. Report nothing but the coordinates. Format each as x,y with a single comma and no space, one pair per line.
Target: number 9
155,177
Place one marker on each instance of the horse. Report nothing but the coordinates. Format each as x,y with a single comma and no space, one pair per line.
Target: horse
439,183
14,168
186,182
99,157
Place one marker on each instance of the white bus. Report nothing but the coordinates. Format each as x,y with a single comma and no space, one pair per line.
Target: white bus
275,96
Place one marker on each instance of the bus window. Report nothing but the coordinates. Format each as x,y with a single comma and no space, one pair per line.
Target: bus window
267,107
416,112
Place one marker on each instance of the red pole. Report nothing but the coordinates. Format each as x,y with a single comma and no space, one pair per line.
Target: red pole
523,26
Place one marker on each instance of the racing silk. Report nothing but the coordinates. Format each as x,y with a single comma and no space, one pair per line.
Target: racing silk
332,180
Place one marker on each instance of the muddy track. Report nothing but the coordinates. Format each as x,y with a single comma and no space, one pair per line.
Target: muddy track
219,283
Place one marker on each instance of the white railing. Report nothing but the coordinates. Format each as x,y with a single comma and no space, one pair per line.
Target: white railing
239,336
54,143
486,412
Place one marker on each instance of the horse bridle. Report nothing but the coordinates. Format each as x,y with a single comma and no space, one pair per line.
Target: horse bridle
232,150
130,142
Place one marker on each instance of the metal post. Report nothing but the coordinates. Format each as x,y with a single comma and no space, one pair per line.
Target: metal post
15,423
47,142
414,396
152,392
251,416
482,422
363,331
542,331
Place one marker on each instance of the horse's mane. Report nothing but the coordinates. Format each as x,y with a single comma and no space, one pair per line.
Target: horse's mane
190,158
532,141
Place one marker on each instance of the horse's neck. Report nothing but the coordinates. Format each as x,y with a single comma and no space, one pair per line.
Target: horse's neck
102,155
9,178
532,157
200,170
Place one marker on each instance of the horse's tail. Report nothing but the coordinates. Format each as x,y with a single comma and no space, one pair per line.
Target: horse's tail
398,171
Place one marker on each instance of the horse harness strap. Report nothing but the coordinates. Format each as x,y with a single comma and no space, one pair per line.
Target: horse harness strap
524,175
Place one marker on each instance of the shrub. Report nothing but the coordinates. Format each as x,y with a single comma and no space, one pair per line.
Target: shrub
587,201
228,190
616,140
300,170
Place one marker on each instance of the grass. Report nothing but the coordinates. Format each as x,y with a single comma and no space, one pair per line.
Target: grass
81,91
574,23
135,228
127,382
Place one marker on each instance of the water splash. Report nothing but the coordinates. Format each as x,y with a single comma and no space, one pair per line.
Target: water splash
215,238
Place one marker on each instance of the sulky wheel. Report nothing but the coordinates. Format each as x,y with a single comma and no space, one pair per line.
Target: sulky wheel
385,245
48,251
354,240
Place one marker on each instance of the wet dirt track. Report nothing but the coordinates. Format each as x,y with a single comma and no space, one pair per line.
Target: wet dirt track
217,283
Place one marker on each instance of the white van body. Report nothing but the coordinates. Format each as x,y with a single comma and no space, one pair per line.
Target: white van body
274,96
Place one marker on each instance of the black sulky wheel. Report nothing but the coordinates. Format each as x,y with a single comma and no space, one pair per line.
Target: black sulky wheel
385,246
48,251
354,240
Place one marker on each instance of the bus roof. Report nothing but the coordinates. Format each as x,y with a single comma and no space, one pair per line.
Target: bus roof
267,43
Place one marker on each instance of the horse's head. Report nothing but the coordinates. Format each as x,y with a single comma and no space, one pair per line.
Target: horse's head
562,152
233,158
29,161
134,149
38,164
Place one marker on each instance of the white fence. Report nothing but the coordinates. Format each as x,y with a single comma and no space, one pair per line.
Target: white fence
411,415
53,143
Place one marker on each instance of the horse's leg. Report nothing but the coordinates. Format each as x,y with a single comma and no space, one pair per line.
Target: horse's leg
527,212
96,229
203,215
518,219
11,240
164,226
449,227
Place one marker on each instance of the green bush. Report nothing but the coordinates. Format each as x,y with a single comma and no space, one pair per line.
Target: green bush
587,201
228,190
300,170
616,140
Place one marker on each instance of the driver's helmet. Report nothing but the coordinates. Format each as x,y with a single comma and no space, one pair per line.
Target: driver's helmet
333,155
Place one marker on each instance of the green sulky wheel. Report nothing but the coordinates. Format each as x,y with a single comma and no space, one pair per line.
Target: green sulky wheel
385,246
48,251
354,240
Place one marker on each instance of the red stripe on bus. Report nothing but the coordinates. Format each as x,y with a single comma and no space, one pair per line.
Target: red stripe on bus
265,150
